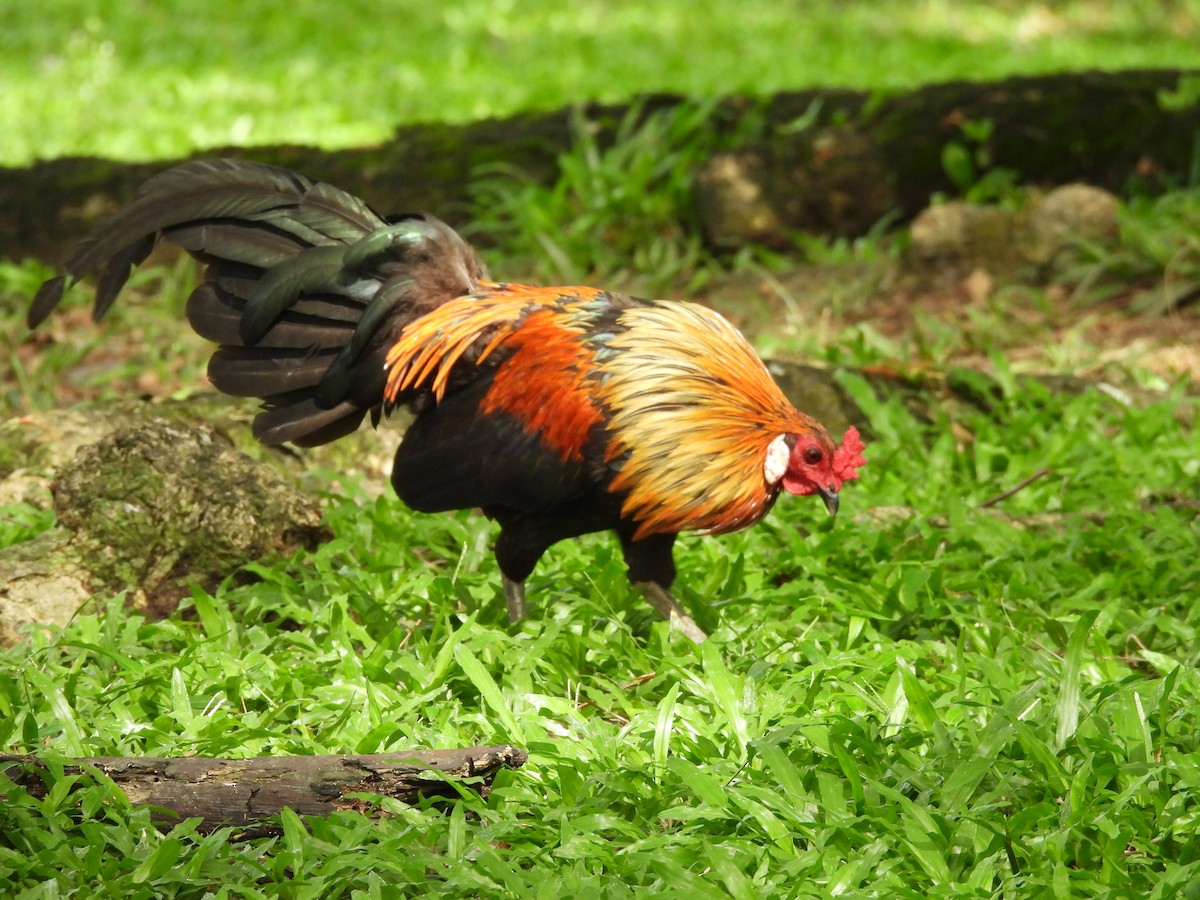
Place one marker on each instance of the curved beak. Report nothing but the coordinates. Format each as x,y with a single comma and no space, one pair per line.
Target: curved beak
831,499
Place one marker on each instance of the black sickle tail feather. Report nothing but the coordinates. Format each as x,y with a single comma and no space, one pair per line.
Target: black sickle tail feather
305,290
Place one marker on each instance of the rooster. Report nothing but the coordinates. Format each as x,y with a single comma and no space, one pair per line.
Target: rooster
559,411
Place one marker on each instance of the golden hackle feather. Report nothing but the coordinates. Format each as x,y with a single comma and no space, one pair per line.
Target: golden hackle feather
430,347
690,414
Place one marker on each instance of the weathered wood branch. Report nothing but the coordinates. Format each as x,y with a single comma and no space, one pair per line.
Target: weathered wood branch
245,792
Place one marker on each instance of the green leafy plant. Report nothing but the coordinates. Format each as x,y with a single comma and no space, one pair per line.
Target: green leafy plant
1185,95
621,208
21,522
968,164
1158,253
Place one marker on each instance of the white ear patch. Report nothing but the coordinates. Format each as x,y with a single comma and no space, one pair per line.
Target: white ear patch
776,463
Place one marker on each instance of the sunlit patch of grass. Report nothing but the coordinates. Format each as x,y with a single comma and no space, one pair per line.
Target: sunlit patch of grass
22,522
137,80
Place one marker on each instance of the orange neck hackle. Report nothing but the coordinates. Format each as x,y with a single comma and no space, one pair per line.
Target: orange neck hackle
691,418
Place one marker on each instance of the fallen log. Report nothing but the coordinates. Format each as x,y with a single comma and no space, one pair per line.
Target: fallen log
827,161
247,792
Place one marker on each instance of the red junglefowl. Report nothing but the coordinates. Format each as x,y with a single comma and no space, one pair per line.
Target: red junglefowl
559,411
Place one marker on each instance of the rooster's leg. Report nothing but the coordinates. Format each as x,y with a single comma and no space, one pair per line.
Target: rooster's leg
651,570
514,595
660,598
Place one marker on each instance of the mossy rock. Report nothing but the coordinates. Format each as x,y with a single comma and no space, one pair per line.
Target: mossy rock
152,507
158,506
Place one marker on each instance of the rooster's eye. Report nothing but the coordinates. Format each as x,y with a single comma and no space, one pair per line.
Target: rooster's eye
813,455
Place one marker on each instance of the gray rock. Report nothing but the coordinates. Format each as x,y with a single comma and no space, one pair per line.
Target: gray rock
151,506
1003,241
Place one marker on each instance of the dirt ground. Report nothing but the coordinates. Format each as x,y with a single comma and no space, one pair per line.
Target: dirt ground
962,319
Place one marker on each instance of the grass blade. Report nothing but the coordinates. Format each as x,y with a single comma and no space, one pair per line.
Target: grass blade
1067,707
488,689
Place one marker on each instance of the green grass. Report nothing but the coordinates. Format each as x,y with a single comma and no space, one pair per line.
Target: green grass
139,348
623,213
937,699
1159,249
159,79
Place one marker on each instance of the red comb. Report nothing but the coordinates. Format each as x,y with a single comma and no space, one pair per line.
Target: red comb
848,458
